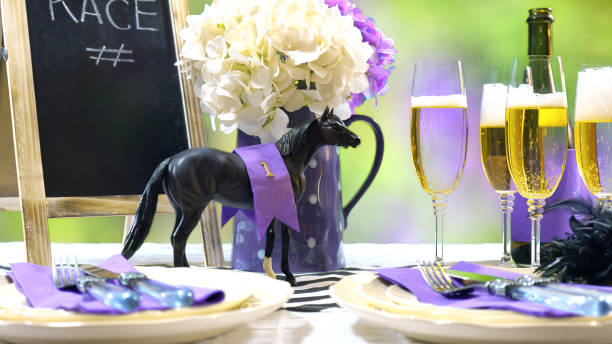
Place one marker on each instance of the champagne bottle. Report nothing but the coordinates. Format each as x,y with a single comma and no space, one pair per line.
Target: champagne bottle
556,223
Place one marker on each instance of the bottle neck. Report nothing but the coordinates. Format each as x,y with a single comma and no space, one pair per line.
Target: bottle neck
540,35
540,42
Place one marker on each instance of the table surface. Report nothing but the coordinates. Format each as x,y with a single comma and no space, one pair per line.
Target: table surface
334,325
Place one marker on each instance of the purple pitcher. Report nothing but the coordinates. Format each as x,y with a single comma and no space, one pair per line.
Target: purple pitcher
318,245
556,222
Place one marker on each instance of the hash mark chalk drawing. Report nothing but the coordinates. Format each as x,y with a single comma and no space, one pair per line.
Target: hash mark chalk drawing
115,60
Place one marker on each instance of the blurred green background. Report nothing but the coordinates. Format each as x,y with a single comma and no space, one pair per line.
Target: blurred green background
396,209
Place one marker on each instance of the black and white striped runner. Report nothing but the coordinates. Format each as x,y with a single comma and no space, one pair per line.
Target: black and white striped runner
311,294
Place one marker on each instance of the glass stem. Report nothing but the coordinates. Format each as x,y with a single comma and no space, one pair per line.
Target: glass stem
604,202
535,208
439,207
507,204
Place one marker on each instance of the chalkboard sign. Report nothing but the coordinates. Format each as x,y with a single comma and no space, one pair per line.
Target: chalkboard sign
96,102
108,94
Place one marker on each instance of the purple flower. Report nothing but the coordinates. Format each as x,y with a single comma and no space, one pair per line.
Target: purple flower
382,58
343,5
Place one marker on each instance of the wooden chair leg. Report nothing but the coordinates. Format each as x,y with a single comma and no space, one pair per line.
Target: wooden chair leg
213,251
36,231
25,128
126,226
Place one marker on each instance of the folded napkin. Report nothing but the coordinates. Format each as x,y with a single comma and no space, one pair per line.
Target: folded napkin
411,279
35,282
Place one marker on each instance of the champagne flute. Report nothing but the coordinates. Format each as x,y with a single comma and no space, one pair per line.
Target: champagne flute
593,130
438,134
493,149
536,134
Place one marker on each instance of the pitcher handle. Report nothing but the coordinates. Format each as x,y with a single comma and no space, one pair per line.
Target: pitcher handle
380,148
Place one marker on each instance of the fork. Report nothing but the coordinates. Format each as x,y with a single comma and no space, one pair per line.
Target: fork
67,273
437,279
523,289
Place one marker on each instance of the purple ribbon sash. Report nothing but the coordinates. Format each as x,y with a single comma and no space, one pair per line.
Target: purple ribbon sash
272,190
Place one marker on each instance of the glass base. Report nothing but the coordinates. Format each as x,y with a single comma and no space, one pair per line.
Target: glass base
507,262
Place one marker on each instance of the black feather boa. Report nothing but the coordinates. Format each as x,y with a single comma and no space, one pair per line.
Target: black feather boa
585,256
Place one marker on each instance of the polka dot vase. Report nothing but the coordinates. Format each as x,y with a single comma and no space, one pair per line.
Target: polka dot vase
318,245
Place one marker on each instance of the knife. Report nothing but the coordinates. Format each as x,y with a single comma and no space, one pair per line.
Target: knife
113,296
167,295
548,283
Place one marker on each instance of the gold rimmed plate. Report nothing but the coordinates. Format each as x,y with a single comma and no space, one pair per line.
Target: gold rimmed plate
391,306
248,296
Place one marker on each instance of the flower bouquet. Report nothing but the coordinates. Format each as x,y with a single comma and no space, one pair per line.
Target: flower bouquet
254,64
255,61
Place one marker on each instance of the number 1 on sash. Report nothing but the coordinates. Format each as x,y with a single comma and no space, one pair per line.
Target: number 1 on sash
265,166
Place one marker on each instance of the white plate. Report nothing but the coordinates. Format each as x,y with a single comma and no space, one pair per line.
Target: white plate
392,307
248,297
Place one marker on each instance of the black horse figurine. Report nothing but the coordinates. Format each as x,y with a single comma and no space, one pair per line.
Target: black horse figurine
194,177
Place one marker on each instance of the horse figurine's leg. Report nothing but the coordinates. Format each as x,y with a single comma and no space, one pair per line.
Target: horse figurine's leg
286,236
267,261
185,223
177,223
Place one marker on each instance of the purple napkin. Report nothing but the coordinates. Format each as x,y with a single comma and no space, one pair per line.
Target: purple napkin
411,279
35,282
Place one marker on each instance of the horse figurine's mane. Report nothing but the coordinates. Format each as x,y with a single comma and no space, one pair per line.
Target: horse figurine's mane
293,138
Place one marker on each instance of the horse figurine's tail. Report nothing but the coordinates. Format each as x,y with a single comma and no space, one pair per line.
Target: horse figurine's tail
145,211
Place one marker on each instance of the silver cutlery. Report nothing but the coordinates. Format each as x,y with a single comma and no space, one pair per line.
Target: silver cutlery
67,273
525,289
167,295
549,283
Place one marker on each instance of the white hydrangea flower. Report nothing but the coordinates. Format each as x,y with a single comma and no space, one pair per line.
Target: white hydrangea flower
247,58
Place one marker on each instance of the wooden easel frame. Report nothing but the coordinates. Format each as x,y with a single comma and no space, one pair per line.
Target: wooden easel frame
35,207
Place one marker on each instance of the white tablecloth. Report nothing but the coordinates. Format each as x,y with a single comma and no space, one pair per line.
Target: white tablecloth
334,325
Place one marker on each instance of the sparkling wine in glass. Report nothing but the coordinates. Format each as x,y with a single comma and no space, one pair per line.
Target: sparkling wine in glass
438,133
493,149
593,130
536,134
